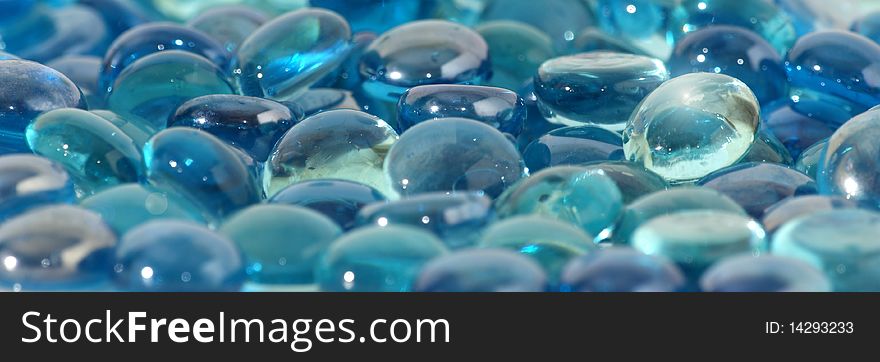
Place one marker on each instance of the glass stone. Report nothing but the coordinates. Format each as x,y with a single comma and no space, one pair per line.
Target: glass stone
794,207
482,270
377,259
318,100
869,26
120,15
766,273
572,194
598,88
30,89
348,74
801,124
767,148
849,259
592,39
697,239
549,242
281,244
56,247
200,166
28,181
228,25
535,125
374,15
633,180
692,125
811,15
809,160
849,166
757,186
424,52
474,157
84,71
94,151
340,200
177,256
573,146
736,52
342,144
127,206
288,54
761,16
638,20
457,219
71,30
251,124
620,269
497,107
518,49
562,20
837,67
133,127
669,202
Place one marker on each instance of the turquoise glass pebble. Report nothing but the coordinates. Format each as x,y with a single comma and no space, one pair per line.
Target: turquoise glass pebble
573,146
808,161
593,39
794,207
645,21
620,269
57,248
340,200
517,50
561,20
49,33
799,125
497,107
133,127
757,186
177,256
477,158
761,16
633,180
28,182
850,163
767,148
348,74
766,273
377,259
281,244
127,206
482,270
598,88
84,71
228,25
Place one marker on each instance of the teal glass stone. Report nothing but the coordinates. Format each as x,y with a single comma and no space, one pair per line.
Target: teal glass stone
794,207
29,90
497,107
592,39
573,146
765,273
850,164
340,200
133,127
757,186
620,269
177,256
374,15
58,247
633,180
288,54
599,88
341,144
201,167
849,259
571,194
644,21
549,242
154,86
127,206
800,122
252,124
53,33
348,74
482,270
377,259
517,50
281,244
183,10
561,20
84,71
767,148
535,125
457,219
94,151
692,125
229,25
475,158
28,182
424,52
760,16
809,160
697,239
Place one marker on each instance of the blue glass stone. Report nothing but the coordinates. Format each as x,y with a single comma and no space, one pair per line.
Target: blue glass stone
290,53
133,127
453,154
562,20
348,74
535,125
766,273
318,100
154,86
761,16
633,181
281,244
252,124
497,107
457,219
31,27
592,39
127,206
197,165
645,21
30,89
56,247
850,164
736,52
342,144
848,259
757,186
549,242
229,25
374,15
518,49
869,26
598,88
809,160
573,146
177,256
794,207
84,71
835,66
619,269
73,30
377,259
482,270
572,194
692,125
424,52
120,15
340,200
767,148
803,123
28,181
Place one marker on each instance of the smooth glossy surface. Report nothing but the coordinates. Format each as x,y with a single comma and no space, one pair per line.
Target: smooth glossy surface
794,207
766,273
518,49
497,107
573,146
561,20
28,181
482,270
767,148
84,71
636,19
799,125
339,200
632,180
69,30
125,207
619,269
757,186
761,16
229,25
809,160
850,164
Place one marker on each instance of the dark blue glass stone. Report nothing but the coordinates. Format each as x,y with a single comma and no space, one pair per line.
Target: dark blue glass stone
562,20
229,25
497,107
573,146
766,273
794,207
850,164
619,269
801,124
133,127
177,256
757,186
374,15
252,124
767,148
761,16
633,180
809,160
84,71
348,74
28,181
869,26
340,200
482,270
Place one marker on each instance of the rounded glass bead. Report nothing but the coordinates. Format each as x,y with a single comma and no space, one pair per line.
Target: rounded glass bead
573,146
69,30
482,270
761,16
229,25
133,127
518,49
808,161
766,273
794,207
799,125
125,207
84,71
340,200
767,148
644,21
28,182
620,269
757,186
633,181
850,163
497,107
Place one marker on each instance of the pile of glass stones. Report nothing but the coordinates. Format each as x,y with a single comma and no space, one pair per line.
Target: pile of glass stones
442,145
